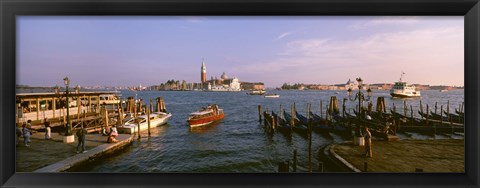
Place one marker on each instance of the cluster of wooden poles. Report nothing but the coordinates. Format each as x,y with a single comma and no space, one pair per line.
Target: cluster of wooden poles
136,108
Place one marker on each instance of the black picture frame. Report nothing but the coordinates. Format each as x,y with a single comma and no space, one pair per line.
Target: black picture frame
9,9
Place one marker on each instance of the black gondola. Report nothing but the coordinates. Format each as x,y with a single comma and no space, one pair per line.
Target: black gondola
460,113
405,119
434,116
282,125
298,126
455,118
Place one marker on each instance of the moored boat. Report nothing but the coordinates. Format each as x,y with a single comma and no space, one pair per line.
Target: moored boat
256,92
206,115
131,124
272,96
282,125
402,89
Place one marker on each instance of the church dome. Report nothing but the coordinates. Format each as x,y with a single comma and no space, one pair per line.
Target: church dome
224,76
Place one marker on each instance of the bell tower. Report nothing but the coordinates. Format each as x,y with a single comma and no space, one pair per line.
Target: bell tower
203,73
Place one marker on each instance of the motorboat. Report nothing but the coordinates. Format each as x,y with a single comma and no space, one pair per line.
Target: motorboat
206,115
131,126
256,92
272,96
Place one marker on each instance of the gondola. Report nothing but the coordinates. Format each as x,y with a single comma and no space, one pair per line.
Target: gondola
459,113
405,119
433,116
282,125
455,118
340,125
298,127
321,125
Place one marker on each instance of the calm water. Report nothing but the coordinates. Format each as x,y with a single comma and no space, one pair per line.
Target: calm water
238,143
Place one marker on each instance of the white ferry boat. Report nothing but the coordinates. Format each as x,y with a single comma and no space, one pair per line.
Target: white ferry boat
402,89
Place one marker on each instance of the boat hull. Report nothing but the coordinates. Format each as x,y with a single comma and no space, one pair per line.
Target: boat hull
272,96
133,128
398,95
205,121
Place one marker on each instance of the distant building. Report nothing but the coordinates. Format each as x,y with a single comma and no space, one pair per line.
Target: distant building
351,84
252,86
203,72
223,84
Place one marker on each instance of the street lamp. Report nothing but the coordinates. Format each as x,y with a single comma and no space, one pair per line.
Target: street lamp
68,132
360,97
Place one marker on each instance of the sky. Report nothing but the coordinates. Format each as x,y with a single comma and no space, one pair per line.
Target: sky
150,50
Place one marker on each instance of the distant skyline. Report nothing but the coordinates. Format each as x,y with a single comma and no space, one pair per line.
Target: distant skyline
149,50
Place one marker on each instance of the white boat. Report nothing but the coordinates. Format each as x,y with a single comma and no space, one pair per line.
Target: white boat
402,89
156,119
444,90
272,96
256,92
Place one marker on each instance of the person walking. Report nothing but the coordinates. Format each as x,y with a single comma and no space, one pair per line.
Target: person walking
368,143
26,135
48,129
81,139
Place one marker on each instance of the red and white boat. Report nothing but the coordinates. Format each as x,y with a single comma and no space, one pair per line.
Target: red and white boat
206,115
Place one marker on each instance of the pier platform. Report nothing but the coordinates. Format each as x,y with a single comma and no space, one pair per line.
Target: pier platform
55,156
402,156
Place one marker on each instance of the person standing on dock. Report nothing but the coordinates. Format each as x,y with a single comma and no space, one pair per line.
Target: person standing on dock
48,129
26,135
368,143
29,127
81,139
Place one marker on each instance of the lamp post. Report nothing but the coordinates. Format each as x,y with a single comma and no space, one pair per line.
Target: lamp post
56,89
360,97
68,132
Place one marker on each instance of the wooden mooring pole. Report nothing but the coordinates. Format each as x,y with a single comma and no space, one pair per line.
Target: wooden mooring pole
448,113
411,115
151,106
294,160
321,111
148,119
283,166
106,118
260,113
137,121
421,106
309,144
441,116
293,115
428,112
